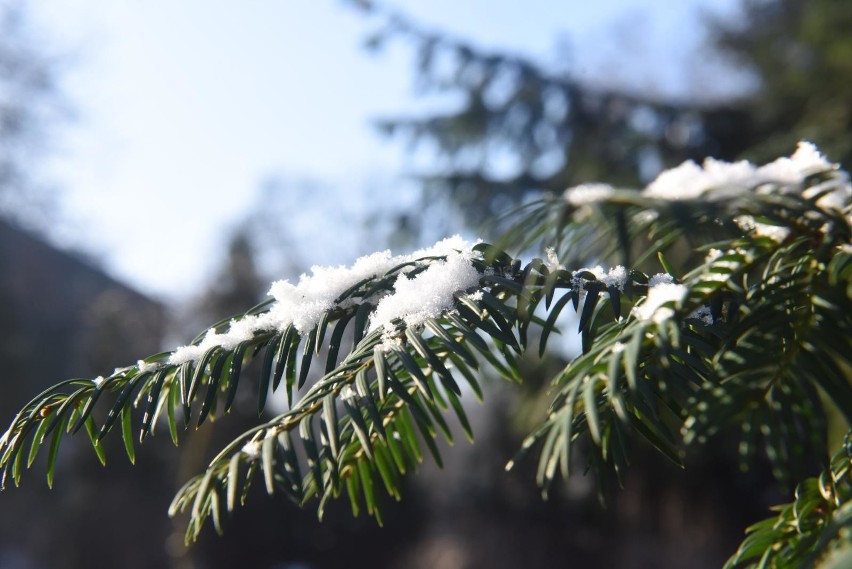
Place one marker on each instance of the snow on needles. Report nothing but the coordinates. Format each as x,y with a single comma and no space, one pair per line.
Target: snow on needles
691,181
426,295
585,194
303,304
616,277
652,307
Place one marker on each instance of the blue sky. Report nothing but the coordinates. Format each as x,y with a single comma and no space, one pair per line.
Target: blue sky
184,107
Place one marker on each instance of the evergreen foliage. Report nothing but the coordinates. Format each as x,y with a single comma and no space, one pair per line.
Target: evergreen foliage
740,319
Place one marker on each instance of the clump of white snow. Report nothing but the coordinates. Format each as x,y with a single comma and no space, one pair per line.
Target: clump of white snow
774,232
805,161
303,304
427,295
348,393
616,277
586,194
145,367
475,296
552,263
390,344
712,255
645,216
652,307
660,278
449,246
749,225
691,181
252,449
192,352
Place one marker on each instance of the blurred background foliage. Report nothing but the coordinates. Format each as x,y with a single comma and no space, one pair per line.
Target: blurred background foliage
518,130
30,107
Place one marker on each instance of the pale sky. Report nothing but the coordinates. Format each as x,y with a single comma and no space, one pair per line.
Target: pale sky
184,107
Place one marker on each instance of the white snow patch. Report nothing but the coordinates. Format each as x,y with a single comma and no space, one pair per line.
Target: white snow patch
185,354
774,232
652,307
475,296
660,278
252,449
712,255
749,225
98,380
427,295
146,367
646,216
240,331
454,245
552,263
303,304
837,199
586,194
390,344
615,277
691,181
806,160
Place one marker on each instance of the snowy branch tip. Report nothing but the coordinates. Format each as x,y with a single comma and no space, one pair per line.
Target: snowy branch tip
413,300
719,179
